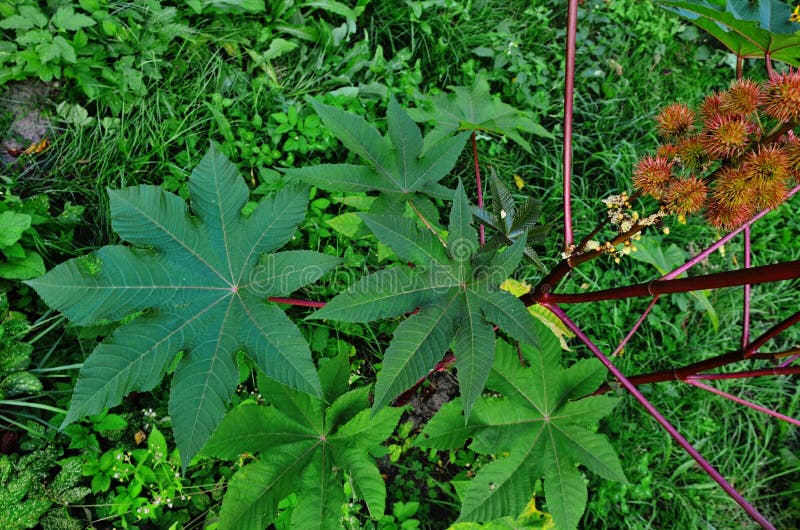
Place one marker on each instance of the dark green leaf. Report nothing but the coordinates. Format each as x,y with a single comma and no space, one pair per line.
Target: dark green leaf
197,280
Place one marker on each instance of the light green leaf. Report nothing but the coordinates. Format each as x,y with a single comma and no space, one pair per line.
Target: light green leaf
65,18
348,224
12,225
474,109
251,428
252,497
320,505
663,261
449,428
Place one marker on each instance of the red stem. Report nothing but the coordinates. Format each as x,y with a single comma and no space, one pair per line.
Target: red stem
724,359
481,228
768,63
744,402
296,302
569,93
554,277
790,360
764,274
783,370
746,302
665,424
639,322
785,324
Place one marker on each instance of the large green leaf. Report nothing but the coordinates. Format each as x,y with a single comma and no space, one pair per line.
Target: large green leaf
204,280
301,443
457,302
545,433
475,109
748,30
396,164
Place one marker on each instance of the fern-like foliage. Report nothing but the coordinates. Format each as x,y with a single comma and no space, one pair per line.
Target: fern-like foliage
303,446
542,425
394,165
475,109
455,290
202,283
509,223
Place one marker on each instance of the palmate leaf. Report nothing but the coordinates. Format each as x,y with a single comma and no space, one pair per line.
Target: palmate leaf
475,109
301,444
202,281
396,165
545,433
457,303
745,29
509,223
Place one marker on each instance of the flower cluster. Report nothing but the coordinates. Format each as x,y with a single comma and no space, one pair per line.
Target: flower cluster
734,156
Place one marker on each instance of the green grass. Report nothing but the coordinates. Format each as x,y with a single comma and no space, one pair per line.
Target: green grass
633,59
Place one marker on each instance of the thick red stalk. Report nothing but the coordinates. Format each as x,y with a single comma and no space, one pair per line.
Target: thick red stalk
557,273
746,374
678,374
785,324
665,424
767,273
746,301
481,228
569,92
744,402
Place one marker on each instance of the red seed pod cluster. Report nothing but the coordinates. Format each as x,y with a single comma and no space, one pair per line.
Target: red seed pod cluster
734,156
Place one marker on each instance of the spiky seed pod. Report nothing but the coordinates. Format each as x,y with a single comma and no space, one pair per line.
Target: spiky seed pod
769,194
733,189
743,98
727,217
692,154
667,151
675,121
686,196
653,175
791,147
782,100
727,136
712,107
768,163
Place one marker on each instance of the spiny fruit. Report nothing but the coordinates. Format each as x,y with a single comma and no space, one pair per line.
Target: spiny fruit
736,155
